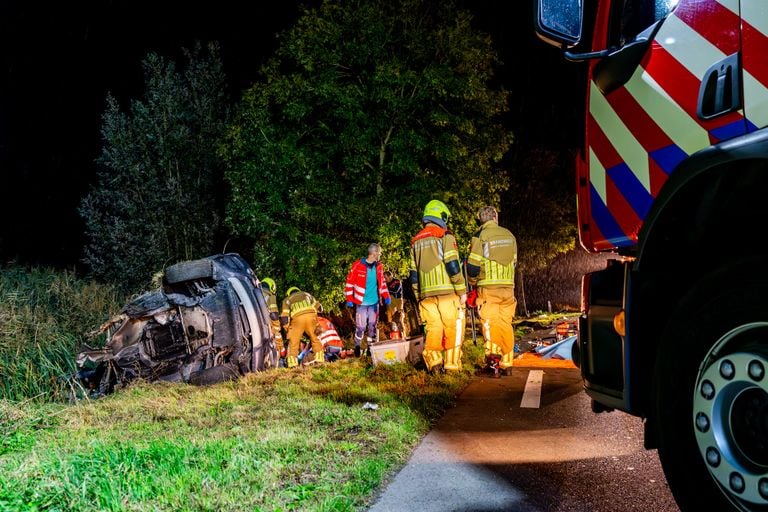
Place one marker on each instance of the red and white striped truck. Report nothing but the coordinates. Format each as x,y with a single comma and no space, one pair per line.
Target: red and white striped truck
673,178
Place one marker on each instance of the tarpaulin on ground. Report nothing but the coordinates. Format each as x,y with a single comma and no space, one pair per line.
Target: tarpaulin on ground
560,350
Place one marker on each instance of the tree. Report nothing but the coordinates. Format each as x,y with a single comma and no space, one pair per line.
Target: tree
157,198
368,109
540,205
540,208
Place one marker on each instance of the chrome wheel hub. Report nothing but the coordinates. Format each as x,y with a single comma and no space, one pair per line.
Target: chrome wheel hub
730,418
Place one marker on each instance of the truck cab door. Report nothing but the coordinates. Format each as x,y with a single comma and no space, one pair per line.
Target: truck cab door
754,26
644,105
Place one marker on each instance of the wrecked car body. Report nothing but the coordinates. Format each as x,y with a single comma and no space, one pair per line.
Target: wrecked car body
208,323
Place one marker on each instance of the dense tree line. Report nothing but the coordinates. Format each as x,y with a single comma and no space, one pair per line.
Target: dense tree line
368,109
159,188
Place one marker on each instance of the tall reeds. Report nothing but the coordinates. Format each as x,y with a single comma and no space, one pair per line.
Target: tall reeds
45,316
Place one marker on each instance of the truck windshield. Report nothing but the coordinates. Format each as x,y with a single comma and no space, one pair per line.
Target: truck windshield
630,17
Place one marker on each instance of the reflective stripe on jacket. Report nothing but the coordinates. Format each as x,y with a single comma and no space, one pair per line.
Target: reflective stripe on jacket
297,304
329,336
271,301
493,254
431,250
354,289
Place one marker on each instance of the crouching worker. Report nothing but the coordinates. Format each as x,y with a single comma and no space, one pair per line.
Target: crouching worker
299,316
332,343
394,310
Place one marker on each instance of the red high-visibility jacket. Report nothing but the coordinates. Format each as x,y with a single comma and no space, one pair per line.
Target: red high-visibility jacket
329,336
355,288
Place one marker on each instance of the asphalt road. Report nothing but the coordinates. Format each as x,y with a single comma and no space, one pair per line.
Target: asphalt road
552,454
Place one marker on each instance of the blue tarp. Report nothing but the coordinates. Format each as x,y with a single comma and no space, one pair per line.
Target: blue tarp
560,350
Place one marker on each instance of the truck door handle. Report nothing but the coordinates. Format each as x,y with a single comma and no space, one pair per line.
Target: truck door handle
720,90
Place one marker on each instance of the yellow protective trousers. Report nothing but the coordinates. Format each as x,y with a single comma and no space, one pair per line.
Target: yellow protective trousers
444,331
305,323
506,359
496,309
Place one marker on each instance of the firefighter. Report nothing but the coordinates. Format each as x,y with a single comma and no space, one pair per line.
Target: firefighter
491,267
437,281
269,288
299,317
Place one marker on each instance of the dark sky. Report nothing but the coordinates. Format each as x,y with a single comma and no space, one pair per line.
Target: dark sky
59,60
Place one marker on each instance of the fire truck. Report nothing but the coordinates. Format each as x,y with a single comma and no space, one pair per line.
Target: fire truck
673,178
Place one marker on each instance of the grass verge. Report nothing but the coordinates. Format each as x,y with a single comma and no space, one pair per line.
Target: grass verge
279,440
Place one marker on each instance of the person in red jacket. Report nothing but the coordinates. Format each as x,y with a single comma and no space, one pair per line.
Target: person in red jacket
332,342
364,289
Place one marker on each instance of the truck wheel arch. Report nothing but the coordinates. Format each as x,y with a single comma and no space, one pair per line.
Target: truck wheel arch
703,219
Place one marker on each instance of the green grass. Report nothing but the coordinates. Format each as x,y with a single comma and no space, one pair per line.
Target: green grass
44,317
276,441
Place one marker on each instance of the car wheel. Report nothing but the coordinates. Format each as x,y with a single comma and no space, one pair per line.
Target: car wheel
711,395
189,271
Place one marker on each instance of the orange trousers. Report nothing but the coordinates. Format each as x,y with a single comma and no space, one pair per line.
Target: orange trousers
496,309
444,331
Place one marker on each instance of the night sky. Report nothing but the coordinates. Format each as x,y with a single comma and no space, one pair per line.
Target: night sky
60,59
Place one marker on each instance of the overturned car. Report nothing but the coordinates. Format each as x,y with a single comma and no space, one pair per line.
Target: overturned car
208,323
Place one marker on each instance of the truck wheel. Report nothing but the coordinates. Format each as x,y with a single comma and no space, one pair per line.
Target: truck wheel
711,395
188,271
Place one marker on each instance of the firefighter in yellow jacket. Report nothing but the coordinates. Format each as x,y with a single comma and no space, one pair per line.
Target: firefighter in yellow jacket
299,316
438,283
269,287
491,267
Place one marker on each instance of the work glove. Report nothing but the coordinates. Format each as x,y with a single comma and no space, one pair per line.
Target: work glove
472,299
387,301
350,304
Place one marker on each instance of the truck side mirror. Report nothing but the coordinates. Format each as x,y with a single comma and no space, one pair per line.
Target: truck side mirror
559,22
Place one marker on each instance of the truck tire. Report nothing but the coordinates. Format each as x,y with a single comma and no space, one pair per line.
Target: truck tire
711,394
189,271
